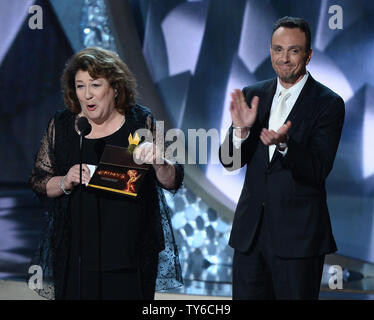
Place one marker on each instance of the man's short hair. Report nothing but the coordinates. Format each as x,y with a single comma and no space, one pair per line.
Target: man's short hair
294,22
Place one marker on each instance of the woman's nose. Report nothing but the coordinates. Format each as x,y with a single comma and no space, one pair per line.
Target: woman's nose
88,94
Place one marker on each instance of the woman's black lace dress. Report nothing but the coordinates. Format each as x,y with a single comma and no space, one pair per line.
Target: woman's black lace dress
153,252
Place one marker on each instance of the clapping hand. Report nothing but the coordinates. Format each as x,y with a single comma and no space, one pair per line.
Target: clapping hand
270,137
241,115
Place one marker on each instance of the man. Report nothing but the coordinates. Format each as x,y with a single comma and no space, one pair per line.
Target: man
288,139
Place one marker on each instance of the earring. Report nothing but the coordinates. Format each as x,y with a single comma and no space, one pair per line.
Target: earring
115,93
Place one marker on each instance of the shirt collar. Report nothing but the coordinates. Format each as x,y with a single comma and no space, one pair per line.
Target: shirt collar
295,89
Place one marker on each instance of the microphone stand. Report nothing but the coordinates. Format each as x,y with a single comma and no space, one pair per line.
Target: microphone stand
84,129
80,216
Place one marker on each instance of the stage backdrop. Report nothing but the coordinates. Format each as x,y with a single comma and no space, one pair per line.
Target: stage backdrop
198,51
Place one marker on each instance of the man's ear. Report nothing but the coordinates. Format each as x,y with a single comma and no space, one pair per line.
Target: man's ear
309,56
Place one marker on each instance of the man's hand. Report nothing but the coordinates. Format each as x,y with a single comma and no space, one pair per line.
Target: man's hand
241,114
270,137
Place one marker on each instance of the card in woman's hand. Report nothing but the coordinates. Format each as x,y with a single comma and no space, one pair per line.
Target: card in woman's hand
118,172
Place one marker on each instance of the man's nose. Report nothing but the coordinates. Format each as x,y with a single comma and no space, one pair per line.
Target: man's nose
285,56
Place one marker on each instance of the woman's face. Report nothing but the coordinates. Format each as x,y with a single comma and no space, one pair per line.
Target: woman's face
95,96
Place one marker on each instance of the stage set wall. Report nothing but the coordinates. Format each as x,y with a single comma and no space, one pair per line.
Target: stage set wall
188,56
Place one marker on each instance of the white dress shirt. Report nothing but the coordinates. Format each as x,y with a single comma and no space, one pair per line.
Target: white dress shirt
289,103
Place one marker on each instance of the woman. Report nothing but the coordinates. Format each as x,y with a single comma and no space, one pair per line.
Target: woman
98,245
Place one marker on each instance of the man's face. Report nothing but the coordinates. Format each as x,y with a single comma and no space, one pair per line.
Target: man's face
288,55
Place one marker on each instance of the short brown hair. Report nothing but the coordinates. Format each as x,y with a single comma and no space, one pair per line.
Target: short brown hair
100,63
295,22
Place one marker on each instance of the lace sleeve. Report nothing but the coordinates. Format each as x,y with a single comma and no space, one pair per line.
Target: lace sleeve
179,171
44,160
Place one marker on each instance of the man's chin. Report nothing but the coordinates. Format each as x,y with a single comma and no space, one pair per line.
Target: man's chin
289,78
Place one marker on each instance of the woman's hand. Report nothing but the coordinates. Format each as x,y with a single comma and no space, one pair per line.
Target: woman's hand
72,177
53,187
149,153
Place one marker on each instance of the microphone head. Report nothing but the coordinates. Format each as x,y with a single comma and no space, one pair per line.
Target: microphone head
84,126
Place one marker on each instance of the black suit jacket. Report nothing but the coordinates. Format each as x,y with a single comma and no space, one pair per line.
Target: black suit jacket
291,189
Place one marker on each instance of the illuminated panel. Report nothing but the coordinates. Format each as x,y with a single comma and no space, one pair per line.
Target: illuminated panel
324,36
221,178
95,26
368,133
10,233
202,238
254,39
183,30
342,60
324,70
12,15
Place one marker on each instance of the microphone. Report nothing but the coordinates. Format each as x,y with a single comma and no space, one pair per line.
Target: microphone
84,126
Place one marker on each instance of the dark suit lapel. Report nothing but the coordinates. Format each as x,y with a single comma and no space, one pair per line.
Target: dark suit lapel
302,105
266,99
